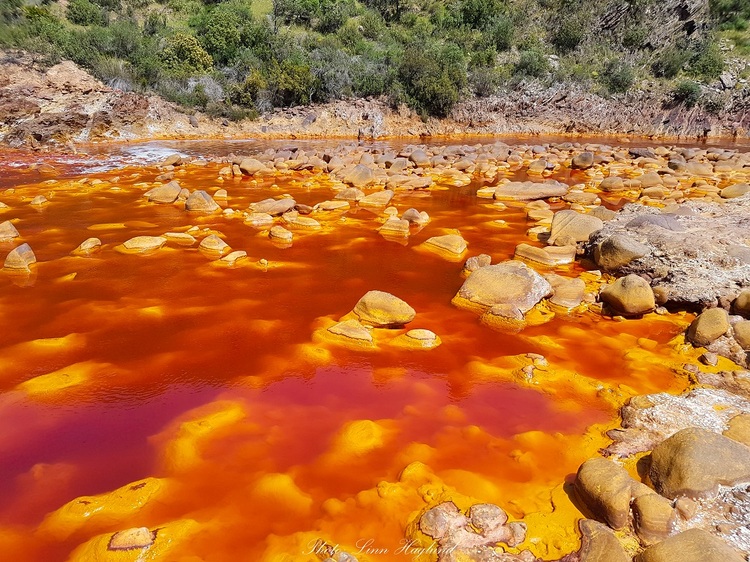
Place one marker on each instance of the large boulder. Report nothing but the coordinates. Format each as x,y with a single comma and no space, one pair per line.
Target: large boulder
510,283
629,296
606,489
694,462
695,545
383,310
618,251
569,227
709,326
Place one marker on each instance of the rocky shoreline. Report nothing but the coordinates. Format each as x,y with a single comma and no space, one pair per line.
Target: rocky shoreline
47,107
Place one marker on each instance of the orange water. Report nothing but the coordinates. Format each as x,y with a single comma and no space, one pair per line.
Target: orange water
173,337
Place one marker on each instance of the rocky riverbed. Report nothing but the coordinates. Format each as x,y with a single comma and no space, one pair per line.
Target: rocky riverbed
578,280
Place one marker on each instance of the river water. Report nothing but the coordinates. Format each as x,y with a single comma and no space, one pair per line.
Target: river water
261,435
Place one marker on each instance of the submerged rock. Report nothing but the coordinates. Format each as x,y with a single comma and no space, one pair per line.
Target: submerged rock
353,330
88,246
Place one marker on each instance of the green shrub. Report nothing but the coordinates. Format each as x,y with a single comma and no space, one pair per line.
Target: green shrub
295,11
708,62
617,76
569,35
83,12
485,81
291,83
687,93
219,33
183,55
246,93
669,62
10,10
635,37
500,32
732,13
477,13
531,63
433,78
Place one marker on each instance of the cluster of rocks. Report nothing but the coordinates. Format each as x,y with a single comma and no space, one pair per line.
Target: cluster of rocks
697,506
380,310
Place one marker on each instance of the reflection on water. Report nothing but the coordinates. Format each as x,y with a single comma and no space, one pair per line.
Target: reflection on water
301,436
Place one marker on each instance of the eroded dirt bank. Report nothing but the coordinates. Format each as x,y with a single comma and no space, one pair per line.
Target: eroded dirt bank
57,105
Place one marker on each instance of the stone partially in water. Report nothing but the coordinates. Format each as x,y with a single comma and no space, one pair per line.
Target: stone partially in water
549,256
233,257
422,338
695,545
451,243
383,310
509,283
214,244
202,202
39,201
164,193
528,190
694,462
88,246
377,199
8,231
132,539
359,176
145,243
736,190
567,293
280,234
353,330
629,296
274,207
20,258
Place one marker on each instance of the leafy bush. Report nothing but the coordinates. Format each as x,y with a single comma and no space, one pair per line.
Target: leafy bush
291,83
569,35
635,37
532,63
219,33
485,81
295,11
687,93
183,55
246,93
669,63
617,76
732,13
433,78
708,62
500,32
83,12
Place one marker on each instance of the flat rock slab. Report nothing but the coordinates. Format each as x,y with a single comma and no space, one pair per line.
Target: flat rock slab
549,256
274,207
529,190
145,243
353,330
377,199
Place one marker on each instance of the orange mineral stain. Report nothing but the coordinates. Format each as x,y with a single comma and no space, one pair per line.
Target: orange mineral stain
160,394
